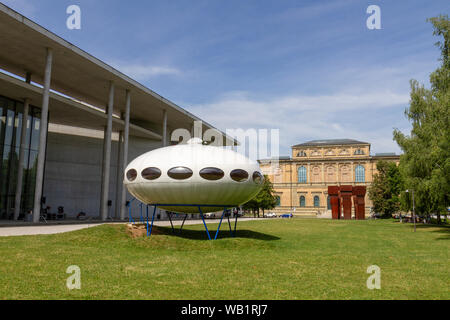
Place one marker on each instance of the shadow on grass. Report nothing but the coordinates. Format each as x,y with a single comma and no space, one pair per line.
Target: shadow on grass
223,234
441,229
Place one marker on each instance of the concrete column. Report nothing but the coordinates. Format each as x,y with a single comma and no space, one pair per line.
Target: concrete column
107,156
23,144
28,77
126,133
197,129
164,129
119,176
42,137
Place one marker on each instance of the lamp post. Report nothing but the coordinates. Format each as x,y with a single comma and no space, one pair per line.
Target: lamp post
414,212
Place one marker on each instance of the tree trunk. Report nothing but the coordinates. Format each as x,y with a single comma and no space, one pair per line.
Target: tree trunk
263,213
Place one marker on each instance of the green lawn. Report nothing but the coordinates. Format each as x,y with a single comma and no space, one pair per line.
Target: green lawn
270,259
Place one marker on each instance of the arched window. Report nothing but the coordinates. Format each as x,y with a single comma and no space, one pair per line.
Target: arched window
302,201
301,154
359,152
278,201
302,175
360,174
316,201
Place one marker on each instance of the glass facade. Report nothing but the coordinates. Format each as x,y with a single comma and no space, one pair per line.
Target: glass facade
302,175
302,201
316,201
360,174
10,129
277,201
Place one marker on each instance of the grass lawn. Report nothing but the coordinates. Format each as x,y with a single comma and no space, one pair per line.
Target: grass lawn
270,259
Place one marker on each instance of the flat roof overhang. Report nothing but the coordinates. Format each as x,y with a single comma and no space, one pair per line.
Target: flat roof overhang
83,77
66,111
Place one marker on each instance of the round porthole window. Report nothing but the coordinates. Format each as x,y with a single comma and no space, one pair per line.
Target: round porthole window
258,178
212,174
239,175
131,175
180,173
151,173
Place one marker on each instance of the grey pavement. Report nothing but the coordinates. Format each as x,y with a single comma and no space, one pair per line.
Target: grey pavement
61,228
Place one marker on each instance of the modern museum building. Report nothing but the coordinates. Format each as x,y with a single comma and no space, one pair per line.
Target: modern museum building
69,125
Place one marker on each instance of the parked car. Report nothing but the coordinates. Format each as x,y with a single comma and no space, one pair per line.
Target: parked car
271,215
210,215
287,215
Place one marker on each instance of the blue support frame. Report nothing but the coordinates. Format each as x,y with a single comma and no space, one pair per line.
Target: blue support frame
149,232
220,223
150,226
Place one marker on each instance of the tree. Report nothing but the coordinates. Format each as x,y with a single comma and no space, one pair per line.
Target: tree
251,205
264,200
425,163
386,189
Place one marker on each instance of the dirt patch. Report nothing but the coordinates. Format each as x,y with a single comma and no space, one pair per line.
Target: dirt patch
140,230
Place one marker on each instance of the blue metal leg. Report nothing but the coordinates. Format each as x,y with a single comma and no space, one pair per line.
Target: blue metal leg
204,223
220,223
147,217
151,226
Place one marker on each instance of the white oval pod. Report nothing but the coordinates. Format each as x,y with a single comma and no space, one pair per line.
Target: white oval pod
193,174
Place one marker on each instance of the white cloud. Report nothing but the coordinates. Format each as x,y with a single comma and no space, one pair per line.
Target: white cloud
301,117
145,71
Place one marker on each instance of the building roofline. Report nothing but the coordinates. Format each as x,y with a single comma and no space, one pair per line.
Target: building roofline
331,142
134,85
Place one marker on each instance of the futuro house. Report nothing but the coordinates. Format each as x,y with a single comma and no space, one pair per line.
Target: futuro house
193,174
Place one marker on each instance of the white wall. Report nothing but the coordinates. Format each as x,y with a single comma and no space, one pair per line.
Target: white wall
73,172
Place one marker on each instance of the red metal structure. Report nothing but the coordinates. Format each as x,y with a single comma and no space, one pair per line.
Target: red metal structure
341,201
333,193
345,193
359,192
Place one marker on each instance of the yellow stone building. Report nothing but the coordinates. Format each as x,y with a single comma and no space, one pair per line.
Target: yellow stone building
301,181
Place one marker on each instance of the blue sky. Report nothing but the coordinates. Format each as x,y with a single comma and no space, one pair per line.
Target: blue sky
311,69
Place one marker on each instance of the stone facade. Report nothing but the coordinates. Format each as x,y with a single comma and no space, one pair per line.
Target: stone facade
301,181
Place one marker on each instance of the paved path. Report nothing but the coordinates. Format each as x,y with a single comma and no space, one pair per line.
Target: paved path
54,229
